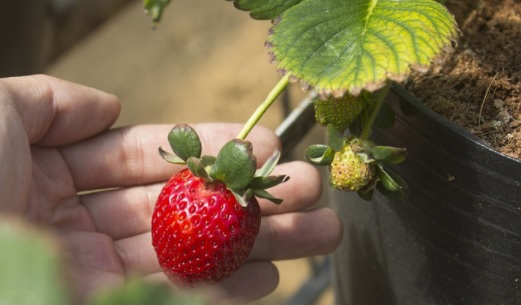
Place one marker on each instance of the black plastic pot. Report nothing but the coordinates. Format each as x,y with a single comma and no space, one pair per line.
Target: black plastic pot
455,240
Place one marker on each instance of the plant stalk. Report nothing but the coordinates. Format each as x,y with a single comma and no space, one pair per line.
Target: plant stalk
262,108
377,104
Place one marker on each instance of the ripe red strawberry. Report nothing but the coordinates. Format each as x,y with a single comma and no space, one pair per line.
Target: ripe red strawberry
206,217
199,231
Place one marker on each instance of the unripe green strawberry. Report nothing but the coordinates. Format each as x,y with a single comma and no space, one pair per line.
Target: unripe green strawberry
348,170
340,112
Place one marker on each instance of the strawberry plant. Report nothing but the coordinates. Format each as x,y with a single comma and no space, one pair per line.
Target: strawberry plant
207,216
348,52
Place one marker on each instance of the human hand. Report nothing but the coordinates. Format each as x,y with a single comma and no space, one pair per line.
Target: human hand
95,188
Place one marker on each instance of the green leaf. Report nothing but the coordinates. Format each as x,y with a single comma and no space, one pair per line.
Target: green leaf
334,138
266,182
265,195
389,154
269,165
242,197
391,194
266,9
197,168
338,45
367,195
184,142
208,161
319,154
155,8
391,184
169,157
30,266
235,164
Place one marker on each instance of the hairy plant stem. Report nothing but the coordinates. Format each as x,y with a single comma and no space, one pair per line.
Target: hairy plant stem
262,108
378,100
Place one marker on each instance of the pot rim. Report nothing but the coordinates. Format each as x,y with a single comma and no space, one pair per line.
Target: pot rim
446,123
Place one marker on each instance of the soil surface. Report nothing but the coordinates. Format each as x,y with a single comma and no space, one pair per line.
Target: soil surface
478,86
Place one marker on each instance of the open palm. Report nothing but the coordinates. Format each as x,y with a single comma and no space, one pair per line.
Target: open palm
95,187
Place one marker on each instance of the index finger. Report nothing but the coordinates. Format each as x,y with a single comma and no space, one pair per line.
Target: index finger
56,112
128,156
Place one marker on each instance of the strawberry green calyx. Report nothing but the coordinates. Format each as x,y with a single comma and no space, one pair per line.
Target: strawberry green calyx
186,135
185,144
235,165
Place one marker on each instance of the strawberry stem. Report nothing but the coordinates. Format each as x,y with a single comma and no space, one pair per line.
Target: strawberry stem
259,112
378,100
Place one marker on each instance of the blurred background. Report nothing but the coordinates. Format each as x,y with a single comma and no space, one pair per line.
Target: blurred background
204,62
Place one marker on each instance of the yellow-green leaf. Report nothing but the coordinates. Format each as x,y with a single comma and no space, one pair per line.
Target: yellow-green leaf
339,46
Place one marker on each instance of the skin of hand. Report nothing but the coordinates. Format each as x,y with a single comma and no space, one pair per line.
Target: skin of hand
94,187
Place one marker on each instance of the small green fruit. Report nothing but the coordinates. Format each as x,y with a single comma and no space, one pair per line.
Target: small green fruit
349,170
340,112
